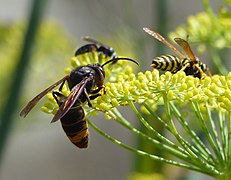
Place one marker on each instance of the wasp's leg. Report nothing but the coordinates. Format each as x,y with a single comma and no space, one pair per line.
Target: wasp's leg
209,72
184,67
87,97
61,86
202,72
96,90
95,95
92,97
57,95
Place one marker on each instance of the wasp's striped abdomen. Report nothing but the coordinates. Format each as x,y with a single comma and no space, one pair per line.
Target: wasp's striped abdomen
73,122
167,63
75,126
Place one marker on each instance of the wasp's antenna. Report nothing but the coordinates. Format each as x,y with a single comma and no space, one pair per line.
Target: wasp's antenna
119,59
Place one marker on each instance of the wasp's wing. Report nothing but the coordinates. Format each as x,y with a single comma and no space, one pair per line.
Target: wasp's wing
163,40
35,100
71,99
91,40
186,47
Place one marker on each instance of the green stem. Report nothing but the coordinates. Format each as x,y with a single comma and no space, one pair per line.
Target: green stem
155,133
165,144
213,128
202,121
193,152
19,74
156,117
206,158
202,151
229,143
222,129
174,131
162,138
145,123
226,139
145,154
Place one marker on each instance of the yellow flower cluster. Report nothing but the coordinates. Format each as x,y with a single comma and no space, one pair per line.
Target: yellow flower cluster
204,28
122,86
152,88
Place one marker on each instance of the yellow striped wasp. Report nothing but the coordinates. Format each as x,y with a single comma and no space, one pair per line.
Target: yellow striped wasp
188,63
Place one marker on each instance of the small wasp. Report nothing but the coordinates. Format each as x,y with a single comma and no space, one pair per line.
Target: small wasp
96,46
190,64
85,83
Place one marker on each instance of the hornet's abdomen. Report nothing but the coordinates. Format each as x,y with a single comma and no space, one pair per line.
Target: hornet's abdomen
75,126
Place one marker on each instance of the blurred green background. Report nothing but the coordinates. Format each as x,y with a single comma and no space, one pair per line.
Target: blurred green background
36,149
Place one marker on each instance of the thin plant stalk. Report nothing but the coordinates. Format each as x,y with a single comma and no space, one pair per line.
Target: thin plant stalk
145,154
168,146
194,160
202,151
10,107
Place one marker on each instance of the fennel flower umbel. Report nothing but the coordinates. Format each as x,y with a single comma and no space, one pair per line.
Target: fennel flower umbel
207,100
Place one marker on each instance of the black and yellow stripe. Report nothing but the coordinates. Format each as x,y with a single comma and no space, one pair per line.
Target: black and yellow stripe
74,122
167,63
75,126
